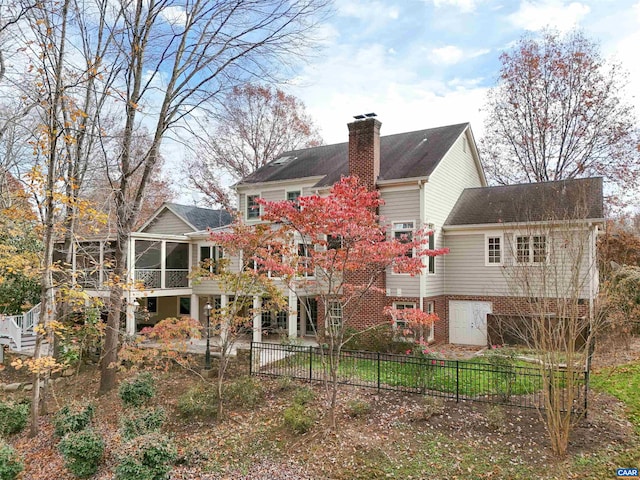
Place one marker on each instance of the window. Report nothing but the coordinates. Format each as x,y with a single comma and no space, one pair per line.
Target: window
335,314
210,257
304,260
494,250
431,309
152,304
400,324
293,196
403,232
531,249
253,207
432,246
334,242
184,307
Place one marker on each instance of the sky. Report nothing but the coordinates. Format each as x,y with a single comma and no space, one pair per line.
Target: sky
424,63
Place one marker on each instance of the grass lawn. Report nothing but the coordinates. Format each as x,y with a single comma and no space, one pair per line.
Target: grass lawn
471,378
623,382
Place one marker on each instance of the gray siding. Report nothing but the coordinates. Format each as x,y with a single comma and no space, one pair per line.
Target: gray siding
466,270
456,171
565,274
168,223
401,206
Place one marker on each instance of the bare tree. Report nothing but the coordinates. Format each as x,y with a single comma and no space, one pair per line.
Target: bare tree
557,113
550,268
254,125
178,55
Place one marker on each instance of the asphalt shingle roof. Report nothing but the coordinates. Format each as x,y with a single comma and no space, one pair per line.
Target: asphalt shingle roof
529,202
202,218
404,155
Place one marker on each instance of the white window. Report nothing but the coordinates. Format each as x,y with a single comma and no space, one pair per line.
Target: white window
398,323
403,232
493,250
253,207
335,314
210,257
432,246
293,196
531,249
431,309
304,260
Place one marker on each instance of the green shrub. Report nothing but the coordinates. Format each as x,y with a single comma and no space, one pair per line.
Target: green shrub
142,422
10,462
149,457
298,418
198,401
13,417
137,391
244,392
358,408
70,419
82,452
304,395
285,384
380,339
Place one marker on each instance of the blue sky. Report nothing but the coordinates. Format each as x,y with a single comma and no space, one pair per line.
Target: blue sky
423,63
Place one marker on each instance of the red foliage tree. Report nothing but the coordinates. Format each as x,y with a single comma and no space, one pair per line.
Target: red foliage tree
346,249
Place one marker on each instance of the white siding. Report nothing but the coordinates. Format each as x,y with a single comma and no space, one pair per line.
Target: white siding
456,171
168,223
273,195
401,206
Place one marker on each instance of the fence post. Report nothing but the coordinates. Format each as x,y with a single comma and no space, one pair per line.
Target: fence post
251,358
310,363
378,371
457,382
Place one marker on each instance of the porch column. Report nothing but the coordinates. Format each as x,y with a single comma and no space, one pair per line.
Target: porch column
130,314
257,320
195,307
224,325
293,315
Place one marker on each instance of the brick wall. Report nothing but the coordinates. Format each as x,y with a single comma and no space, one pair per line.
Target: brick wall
364,151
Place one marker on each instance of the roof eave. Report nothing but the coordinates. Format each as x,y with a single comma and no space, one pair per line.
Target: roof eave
493,226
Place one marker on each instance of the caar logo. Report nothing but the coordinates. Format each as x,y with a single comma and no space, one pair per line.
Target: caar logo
627,472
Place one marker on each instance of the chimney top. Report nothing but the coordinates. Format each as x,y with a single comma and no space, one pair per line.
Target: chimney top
364,116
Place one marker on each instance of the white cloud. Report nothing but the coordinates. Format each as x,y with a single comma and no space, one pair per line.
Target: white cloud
536,15
448,55
465,6
174,15
372,11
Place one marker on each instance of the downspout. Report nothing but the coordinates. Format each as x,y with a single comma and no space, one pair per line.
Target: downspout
423,278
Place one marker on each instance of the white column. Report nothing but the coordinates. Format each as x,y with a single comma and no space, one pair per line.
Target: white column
195,307
163,258
257,320
224,325
130,313
293,315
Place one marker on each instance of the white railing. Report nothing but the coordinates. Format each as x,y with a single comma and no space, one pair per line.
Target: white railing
176,278
10,328
151,278
15,326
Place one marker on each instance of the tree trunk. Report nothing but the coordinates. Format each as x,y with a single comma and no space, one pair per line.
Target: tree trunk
108,364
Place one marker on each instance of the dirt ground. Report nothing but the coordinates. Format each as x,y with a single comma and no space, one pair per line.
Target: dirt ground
252,444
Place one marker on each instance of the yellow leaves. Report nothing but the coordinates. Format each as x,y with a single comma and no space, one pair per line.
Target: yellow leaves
38,365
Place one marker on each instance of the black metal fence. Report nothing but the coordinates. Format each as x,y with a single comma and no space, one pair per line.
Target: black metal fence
501,382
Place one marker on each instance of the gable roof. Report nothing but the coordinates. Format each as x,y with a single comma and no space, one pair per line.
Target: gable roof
529,202
197,218
403,155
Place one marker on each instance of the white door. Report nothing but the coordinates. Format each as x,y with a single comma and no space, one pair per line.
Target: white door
468,322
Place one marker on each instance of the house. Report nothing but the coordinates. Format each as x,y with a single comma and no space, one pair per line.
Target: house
505,242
